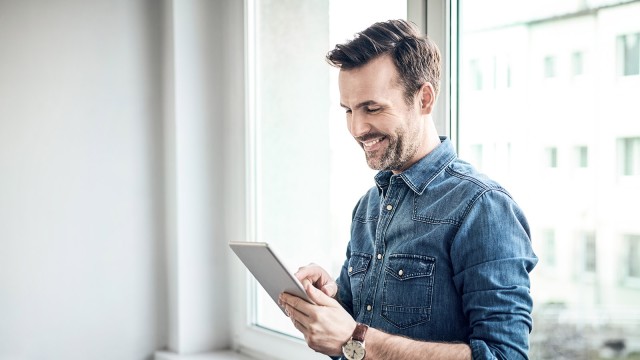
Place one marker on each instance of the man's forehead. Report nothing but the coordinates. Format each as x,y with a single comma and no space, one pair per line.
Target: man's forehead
368,83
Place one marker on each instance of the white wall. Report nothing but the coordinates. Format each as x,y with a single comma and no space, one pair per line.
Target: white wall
82,272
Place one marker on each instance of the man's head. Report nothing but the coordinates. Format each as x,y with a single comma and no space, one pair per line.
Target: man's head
388,85
415,56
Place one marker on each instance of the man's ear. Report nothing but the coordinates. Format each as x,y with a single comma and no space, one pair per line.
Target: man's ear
427,98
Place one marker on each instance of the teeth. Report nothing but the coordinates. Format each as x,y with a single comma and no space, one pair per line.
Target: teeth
372,142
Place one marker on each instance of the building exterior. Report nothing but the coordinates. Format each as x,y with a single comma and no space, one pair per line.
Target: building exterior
549,105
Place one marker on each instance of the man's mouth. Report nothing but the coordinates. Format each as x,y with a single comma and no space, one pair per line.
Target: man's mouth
372,144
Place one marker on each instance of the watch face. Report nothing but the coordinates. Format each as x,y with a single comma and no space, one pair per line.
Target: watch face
353,350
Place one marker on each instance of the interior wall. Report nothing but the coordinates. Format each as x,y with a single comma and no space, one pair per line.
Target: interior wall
82,273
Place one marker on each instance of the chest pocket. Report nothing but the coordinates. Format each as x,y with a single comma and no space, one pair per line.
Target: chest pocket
408,289
358,264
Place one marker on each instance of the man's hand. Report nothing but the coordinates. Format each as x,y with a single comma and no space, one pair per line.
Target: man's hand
326,326
319,278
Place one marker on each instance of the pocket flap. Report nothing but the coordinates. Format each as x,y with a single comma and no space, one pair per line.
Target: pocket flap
358,262
408,266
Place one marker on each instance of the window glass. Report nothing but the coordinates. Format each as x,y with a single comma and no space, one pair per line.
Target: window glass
307,171
585,305
549,66
633,260
582,156
577,63
552,157
629,154
629,50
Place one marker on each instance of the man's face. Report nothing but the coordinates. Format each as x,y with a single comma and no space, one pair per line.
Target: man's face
389,131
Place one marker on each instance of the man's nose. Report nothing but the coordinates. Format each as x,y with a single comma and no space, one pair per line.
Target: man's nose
358,125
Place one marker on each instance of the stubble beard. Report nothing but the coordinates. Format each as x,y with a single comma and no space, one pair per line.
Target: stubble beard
395,156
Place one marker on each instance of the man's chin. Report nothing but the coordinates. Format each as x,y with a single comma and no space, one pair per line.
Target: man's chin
377,165
374,163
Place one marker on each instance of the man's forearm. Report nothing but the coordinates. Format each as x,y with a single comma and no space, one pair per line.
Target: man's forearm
380,345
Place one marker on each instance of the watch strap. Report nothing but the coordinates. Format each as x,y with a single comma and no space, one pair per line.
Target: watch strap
359,332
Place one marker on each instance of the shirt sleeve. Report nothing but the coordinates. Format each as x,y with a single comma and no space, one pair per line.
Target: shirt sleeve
492,257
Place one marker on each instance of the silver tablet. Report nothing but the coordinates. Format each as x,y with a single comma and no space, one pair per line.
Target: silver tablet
270,272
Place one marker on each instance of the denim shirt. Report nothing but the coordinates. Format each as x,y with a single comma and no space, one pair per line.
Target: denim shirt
441,253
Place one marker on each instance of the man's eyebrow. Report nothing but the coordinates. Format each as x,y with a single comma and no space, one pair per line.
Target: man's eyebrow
362,104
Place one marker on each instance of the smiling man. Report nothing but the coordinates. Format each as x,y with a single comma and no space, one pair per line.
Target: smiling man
439,258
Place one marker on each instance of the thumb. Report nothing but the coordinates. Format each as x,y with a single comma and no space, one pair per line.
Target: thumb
318,296
331,289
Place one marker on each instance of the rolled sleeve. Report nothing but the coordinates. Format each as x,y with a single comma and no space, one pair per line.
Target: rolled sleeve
492,258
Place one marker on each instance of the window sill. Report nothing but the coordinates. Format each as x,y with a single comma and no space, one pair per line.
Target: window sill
220,355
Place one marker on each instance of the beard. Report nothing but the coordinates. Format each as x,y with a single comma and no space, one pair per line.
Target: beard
401,148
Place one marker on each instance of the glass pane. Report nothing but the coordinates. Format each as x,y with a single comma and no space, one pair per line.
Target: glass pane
302,148
571,153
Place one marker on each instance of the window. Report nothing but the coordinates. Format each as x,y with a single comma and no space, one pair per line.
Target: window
577,63
300,149
549,251
582,156
476,74
476,155
528,117
541,120
549,67
589,262
629,53
633,256
629,155
551,157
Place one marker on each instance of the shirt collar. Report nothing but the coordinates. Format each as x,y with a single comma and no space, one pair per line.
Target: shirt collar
420,174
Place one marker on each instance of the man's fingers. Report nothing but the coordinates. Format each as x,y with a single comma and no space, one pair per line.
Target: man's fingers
292,302
331,289
317,296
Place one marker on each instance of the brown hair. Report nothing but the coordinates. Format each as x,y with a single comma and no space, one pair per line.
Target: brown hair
416,57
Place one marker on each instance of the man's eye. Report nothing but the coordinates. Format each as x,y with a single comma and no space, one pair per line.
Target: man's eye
373,110
348,111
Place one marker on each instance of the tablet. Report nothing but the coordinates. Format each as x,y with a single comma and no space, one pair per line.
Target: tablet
270,272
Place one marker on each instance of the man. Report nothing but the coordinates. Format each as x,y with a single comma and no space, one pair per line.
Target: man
439,258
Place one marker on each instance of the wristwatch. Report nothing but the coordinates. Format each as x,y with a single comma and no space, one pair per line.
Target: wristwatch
354,348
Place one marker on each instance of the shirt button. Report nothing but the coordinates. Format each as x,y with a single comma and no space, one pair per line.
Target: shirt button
369,307
379,256
400,272
350,269
389,207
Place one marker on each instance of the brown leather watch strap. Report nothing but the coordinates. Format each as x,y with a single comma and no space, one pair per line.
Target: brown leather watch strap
359,332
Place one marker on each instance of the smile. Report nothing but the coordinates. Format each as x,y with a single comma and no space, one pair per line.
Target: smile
370,144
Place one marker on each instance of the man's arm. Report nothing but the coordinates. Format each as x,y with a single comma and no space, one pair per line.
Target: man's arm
327,326
492,258
380,345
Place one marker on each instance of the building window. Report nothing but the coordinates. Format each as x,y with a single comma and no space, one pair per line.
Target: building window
476,74
549,241
629,156
589,252
582,156
629,54
549,67
476,155
577,63
633,256
551,157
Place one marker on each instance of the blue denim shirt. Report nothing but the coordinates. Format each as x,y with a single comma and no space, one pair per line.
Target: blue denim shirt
441,253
